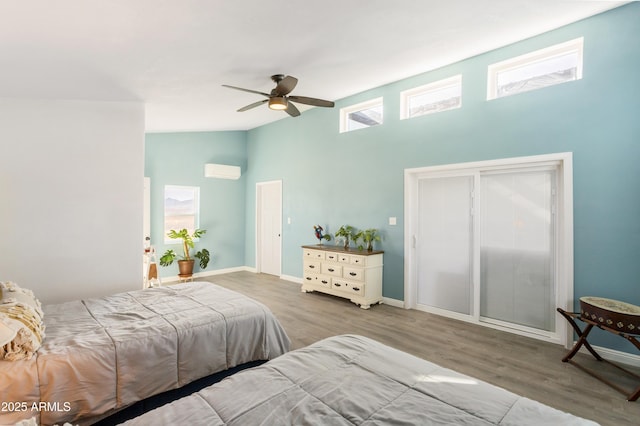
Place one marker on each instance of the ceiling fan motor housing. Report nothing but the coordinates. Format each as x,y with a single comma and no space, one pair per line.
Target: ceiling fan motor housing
277,78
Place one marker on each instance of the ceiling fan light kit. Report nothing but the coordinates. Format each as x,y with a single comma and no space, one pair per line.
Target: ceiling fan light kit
278,99
278,103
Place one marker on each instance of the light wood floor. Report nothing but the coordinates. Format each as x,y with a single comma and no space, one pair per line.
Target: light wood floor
522,365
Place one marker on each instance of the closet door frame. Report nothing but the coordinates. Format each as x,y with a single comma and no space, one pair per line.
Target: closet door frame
564,235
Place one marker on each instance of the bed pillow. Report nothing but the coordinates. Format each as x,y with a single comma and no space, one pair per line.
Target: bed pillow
21,326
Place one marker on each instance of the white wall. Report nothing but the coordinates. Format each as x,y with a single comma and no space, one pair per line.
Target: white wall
71,191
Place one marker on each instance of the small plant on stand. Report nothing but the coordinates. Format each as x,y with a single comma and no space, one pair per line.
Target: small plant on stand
185,263
345,234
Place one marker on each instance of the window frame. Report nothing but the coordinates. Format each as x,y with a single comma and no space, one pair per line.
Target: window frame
196,208
532,58
433,87
344,113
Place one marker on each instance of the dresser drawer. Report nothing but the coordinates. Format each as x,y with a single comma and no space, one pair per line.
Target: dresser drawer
332,269
339,285
358,260
349,287
324,281
354,273
312,265
309,278
313,254
355,288
332,257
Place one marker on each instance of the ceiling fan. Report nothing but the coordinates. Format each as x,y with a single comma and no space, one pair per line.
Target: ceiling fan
278,99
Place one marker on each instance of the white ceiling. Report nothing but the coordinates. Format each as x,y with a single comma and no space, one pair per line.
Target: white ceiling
174,55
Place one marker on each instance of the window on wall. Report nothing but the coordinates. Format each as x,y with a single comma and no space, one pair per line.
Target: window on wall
359,116
543,68
439,96
181,209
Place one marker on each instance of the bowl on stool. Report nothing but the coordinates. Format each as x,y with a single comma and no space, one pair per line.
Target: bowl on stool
620,316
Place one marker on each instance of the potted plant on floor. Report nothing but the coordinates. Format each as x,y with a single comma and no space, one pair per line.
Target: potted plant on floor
186,262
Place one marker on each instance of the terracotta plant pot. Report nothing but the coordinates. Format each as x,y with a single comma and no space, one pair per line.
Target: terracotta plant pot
185,267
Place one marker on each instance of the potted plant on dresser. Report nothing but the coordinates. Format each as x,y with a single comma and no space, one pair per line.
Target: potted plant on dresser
344,234
186,261
369,236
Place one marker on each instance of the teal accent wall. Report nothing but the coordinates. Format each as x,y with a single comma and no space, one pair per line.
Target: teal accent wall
357,178
179,159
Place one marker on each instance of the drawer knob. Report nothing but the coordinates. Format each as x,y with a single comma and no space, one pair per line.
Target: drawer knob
331,270
353,274
325,282
309,279
311,266
337,284
356,288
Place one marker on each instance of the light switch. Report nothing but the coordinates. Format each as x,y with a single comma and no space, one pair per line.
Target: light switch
392,221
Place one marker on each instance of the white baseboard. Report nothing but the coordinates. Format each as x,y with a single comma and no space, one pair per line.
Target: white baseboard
291,278
613,355
203,274
393,302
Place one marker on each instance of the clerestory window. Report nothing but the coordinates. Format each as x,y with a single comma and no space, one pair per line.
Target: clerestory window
543,68
362,115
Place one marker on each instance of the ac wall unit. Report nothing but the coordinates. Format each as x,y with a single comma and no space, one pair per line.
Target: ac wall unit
221,171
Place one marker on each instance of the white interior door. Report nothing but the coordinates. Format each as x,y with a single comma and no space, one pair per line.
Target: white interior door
269,227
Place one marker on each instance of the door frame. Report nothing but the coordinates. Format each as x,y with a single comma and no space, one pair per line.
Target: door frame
146,217
258,225
564,243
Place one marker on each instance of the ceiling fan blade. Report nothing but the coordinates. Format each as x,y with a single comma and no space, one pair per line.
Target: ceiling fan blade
311,101
246,90
285,86
292,110
253,105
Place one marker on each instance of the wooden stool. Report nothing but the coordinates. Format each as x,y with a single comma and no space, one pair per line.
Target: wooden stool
619,318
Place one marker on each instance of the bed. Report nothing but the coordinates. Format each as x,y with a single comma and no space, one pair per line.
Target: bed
101,355
349,379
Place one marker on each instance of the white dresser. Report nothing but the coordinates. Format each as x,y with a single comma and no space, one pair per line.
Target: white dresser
353,274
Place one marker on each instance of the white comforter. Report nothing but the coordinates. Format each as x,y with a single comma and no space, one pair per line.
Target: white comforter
349,380
100,355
